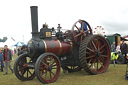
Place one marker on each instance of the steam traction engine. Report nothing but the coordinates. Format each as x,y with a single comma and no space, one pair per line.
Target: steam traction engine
72,50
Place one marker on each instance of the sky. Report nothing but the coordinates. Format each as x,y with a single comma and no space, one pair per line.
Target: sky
15,19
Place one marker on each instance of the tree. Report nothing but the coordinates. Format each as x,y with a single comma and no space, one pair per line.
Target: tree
4,39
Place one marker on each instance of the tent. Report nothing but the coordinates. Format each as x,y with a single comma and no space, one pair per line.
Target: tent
19,44
1,44
10,43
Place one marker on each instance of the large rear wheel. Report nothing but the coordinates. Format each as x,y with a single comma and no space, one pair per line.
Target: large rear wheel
94,54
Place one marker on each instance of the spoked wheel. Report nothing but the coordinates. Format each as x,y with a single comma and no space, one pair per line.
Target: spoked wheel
72,68
79,32
21,69
47,68
94,54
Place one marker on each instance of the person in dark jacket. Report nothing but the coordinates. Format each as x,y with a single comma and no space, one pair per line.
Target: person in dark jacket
1,62
113,47
123,48
7,58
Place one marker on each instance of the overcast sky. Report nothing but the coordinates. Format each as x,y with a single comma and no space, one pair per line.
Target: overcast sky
15,19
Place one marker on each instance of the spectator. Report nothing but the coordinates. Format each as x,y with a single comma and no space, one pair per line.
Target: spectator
11,51
1,62
7,58
118,48
123,48
113,47
22,51
14,51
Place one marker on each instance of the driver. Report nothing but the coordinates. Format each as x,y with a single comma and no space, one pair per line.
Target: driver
83,24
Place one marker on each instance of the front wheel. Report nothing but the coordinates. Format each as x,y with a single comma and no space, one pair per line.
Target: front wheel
47,68
21,70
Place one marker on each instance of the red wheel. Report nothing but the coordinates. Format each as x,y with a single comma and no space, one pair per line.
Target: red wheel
47,68
79,34
94,54
21,70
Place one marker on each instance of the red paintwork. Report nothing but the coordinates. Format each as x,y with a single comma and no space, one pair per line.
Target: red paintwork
57,47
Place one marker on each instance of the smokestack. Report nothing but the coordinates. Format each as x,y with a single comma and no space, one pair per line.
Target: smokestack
34,21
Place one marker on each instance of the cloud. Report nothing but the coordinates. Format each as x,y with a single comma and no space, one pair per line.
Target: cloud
15,17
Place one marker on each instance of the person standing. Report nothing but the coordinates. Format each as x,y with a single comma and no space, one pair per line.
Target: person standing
113,47
7,58
83,25
1,62
123,48
118,48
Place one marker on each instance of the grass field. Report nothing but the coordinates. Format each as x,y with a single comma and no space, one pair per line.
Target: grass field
113,76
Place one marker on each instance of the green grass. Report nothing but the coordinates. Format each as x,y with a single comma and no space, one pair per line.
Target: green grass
113,76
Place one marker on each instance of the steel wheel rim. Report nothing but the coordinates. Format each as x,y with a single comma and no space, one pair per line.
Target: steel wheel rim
78,38
45,68
97,60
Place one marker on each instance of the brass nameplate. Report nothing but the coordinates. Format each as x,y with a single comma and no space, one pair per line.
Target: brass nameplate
48,34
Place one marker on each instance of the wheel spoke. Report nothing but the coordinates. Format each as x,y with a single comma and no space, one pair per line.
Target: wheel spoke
41,68
45,64
90,60
23,72
45,74
102,47
53,65
51,61
86,31
97,44
20,65
42,73
94,45
77,28
89,49
54,68
87,53
102,51
22,69
81,39
100,63
77,35
29,72
92,63
50,75
90,57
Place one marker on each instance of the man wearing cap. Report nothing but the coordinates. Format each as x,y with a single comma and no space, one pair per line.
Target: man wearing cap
7,58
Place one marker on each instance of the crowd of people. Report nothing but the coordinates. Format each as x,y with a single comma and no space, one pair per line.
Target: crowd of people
6,57
120,48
